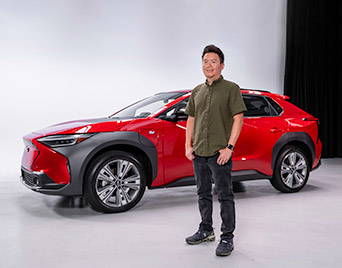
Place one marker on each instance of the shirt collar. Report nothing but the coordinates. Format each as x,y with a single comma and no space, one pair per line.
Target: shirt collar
215,82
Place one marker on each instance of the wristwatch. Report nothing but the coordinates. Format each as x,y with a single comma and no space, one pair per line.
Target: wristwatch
230,147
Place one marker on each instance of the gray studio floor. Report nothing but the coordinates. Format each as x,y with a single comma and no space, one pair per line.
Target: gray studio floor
273,229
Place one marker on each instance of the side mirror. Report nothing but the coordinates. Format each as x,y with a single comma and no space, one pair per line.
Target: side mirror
179,115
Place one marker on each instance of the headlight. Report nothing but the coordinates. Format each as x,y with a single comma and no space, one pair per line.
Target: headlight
64,140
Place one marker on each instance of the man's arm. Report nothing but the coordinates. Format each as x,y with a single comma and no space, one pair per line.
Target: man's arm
226,154
189,130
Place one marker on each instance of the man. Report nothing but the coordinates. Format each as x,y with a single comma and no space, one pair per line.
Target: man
215,120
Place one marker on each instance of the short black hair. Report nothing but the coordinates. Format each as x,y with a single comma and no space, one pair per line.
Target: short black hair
213,49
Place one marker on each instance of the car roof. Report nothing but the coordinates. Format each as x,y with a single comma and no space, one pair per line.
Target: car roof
246,91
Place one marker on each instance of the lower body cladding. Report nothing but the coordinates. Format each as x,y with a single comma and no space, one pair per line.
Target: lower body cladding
241,175
80,155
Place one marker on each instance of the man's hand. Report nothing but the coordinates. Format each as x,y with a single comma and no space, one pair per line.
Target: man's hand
225,155
189,153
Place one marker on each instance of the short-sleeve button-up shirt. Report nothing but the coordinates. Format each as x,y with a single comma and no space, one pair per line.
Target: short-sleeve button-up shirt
213,107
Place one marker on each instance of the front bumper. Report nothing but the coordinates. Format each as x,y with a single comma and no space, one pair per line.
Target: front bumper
38,181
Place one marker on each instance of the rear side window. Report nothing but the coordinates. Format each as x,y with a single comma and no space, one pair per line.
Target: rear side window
275,105
258,106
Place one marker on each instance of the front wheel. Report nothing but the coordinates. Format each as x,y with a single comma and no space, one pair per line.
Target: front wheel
291,171
115,182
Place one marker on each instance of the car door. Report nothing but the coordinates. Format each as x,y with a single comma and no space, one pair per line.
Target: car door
262,128
176,165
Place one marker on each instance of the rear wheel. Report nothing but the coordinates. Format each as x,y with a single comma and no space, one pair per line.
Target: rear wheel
115,182
291,171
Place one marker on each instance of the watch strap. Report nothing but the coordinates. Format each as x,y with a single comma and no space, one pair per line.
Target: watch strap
230,147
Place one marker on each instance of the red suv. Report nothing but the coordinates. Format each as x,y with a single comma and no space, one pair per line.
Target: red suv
111,160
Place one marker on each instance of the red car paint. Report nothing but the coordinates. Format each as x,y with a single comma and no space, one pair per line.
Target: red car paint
252,151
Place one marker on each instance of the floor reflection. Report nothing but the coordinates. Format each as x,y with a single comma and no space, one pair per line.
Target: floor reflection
72,202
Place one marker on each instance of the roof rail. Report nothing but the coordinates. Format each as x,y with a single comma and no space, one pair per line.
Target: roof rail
260,90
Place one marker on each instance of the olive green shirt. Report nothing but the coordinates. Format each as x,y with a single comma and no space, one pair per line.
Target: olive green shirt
213,107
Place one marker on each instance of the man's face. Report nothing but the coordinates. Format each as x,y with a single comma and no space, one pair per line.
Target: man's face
211,66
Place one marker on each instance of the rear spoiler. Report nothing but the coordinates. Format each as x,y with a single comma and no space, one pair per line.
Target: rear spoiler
264,93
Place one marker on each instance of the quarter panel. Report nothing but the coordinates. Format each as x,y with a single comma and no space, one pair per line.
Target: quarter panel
253,150
151,134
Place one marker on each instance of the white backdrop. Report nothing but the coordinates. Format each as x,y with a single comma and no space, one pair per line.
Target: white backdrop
70,59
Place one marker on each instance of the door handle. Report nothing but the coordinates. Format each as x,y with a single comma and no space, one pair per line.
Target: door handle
275,130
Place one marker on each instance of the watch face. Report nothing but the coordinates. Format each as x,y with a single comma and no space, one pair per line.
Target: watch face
230,147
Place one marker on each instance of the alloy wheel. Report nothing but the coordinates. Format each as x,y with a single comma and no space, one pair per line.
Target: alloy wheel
118,183
294,169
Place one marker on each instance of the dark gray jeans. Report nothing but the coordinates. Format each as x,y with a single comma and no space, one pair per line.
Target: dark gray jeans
206,169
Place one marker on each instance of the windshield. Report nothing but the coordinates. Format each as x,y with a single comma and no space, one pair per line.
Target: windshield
147,106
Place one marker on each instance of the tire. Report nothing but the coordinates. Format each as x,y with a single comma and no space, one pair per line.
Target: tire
115,182
291,171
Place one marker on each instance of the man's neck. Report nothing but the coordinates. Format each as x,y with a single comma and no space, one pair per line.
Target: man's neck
212,80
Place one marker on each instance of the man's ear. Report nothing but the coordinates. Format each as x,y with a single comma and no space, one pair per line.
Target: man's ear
222,66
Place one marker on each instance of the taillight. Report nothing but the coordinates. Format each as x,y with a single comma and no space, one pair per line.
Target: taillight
311,118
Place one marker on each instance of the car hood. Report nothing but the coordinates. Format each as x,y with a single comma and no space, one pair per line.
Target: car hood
84,126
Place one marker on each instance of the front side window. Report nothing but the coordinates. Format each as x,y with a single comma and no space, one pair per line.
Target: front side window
172,110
